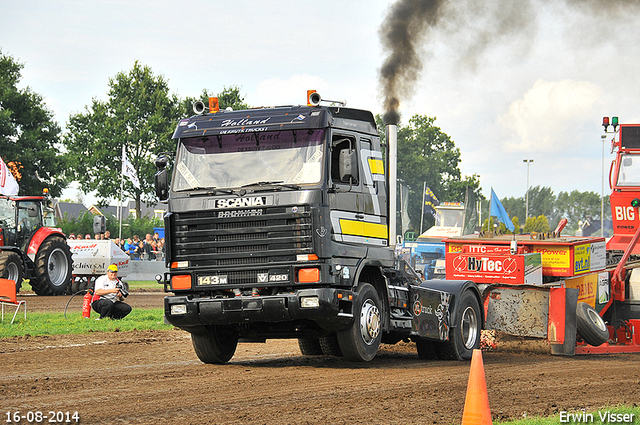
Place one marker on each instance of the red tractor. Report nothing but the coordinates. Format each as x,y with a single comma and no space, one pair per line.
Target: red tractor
31,247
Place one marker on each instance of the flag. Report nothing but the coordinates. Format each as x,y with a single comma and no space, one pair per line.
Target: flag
128,170
498,211
8,184
430,202
404,213
470,212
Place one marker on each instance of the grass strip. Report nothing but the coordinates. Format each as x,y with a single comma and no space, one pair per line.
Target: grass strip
74,323
608,415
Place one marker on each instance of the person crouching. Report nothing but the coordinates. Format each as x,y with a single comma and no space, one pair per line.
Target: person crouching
111,299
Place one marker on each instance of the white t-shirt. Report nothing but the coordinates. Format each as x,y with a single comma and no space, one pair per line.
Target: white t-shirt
103,282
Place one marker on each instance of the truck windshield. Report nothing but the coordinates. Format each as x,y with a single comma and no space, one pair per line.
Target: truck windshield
235,160
629,172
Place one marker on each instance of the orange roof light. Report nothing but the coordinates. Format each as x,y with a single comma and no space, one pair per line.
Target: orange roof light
214,105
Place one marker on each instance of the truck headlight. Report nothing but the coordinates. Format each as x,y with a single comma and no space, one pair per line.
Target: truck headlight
309,302
178,309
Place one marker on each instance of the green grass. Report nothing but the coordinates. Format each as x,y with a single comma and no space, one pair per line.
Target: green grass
566,419
56,323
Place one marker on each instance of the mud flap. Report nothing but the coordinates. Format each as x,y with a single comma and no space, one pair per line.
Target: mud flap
431,311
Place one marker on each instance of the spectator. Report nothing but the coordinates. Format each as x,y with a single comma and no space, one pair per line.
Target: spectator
139,251
87,236
107,235
111,299
71,236
129,248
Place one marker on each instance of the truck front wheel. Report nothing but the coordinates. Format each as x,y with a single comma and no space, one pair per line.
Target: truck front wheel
464,335
360,342
215,347
53,267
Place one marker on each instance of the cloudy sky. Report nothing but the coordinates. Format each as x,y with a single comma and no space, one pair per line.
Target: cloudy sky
507,79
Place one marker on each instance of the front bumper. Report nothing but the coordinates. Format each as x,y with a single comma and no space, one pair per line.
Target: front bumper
333,311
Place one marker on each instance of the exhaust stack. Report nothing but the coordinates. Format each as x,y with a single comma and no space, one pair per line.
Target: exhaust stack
392,178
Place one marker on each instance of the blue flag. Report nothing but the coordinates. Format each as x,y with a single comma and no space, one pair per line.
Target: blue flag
498,211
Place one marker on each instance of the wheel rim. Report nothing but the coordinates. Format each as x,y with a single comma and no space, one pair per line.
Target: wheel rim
469,327
58,267
13,272
596,320
369,322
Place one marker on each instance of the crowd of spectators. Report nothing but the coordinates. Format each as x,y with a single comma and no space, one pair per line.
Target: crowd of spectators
151,248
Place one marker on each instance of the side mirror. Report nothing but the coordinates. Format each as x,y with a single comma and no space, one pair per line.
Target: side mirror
32,211
162,178
162,184
348,165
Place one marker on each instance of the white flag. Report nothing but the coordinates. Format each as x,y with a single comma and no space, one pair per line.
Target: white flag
8,184
128,170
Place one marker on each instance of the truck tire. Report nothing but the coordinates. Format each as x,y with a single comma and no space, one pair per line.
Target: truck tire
590,325
360,342
53,267
464,335
330,346
11,268
215,347
310,346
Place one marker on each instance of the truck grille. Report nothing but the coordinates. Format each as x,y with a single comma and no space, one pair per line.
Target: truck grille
207,241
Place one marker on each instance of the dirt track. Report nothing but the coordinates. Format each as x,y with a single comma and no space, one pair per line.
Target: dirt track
151,377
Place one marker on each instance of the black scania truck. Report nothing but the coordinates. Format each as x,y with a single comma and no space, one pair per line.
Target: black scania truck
278,226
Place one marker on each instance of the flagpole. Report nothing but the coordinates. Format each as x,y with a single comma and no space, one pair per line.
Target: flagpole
424,188
121,190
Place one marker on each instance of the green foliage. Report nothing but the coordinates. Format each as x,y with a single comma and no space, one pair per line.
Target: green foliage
139,115
56,323
83,224
538,224
29,136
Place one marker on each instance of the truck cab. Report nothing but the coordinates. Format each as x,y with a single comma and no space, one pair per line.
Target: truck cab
277,227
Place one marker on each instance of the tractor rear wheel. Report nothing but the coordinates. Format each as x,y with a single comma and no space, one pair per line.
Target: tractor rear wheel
11,268
53,268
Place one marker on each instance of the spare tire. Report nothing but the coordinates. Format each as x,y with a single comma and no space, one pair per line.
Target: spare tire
53,267
590,325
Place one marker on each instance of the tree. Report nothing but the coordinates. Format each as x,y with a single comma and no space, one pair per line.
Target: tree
139,115
538,224
541,201
29,136
427,154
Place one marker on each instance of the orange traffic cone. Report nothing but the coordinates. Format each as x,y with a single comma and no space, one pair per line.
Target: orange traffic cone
476,404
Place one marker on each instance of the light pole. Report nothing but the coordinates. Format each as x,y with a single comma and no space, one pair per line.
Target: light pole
526,208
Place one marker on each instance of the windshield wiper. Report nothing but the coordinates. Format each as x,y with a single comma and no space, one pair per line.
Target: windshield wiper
210,191
272,185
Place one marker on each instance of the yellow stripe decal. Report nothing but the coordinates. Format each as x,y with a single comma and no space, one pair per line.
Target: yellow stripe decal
376,166
362,228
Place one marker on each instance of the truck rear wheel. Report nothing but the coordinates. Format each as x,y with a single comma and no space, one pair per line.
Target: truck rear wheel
360,342
11,268
310,346
215,347
53,268
590,325
464,335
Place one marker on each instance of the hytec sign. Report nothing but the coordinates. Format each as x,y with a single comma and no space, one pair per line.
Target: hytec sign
490,264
